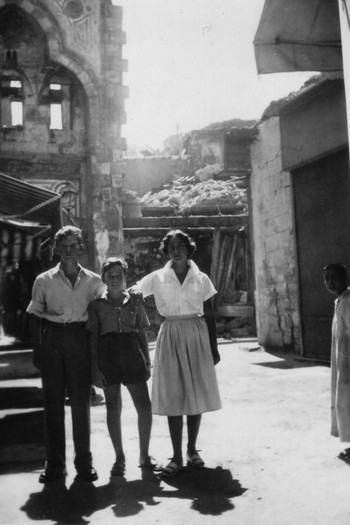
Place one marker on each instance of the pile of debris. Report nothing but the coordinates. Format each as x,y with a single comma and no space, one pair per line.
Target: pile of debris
199,192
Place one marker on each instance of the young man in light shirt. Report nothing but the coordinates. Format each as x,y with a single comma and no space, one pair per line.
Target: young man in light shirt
60,298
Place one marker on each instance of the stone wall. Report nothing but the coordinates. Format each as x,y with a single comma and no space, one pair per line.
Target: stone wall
277,313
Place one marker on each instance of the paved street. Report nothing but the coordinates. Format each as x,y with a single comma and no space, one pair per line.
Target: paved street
269,457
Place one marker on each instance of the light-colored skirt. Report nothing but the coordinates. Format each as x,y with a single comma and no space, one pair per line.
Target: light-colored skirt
184,377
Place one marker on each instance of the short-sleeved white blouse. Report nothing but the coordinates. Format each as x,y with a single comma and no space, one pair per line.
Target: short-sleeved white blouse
174,298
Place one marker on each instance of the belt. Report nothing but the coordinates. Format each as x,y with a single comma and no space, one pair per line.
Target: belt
179,317
65,326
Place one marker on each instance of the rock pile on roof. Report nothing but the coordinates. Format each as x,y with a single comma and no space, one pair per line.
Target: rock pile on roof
200,192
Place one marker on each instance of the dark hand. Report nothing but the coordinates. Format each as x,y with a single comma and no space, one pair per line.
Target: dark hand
216,359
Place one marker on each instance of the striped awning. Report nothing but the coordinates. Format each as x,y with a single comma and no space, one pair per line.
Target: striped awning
28,216
20,200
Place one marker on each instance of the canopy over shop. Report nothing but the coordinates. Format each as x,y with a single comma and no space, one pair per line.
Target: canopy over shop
29,216
299,36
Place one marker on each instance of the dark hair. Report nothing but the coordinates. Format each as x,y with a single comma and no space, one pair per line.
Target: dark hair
114,261
339,269
64,232
190,244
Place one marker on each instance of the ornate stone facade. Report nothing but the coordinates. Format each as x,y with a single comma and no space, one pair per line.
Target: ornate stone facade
62,106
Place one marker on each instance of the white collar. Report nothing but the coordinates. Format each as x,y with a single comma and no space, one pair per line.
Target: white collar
193,267
125,293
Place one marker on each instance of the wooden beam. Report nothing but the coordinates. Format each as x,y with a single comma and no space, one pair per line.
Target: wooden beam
156,232
193,221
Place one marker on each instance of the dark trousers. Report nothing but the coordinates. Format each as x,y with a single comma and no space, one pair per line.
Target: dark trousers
66,367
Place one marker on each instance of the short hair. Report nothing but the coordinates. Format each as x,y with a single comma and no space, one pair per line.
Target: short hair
64,232
339,269
111,262
190,244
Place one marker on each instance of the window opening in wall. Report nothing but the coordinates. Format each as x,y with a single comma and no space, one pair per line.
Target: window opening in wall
16,113
11,103
56,116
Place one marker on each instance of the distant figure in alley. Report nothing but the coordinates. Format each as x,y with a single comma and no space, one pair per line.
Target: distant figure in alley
336,282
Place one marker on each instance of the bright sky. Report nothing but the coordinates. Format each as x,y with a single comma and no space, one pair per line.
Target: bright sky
191,63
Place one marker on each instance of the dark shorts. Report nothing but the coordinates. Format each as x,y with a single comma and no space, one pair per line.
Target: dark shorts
120,359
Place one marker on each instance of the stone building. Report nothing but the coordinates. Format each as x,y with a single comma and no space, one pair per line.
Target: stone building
300,202
62,107
300,177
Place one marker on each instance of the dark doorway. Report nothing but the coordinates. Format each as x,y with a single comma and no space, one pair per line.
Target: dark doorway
322,209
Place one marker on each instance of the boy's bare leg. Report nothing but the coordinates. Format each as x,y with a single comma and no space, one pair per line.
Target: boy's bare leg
140,396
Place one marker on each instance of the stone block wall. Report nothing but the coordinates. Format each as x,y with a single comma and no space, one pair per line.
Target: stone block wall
277,312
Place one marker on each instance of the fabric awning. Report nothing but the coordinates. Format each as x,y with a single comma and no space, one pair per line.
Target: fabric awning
34,229
20,200
298,35
28,216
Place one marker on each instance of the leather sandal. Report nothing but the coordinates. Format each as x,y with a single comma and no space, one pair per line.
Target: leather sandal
151,464
194,460
171,469
118,468
51,475
87,474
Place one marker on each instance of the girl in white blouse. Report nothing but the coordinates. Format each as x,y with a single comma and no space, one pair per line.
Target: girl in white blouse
184,378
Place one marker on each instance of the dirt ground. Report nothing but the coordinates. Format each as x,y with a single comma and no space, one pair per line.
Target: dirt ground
270,459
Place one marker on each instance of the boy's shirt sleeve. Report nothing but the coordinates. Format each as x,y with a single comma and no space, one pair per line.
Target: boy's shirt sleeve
37,304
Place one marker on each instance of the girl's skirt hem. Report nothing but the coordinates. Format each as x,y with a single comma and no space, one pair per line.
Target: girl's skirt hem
196,414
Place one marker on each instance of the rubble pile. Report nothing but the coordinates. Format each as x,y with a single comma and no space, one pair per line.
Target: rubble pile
190,194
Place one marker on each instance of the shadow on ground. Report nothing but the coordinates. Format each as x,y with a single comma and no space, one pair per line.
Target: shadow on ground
286,361
22,442
210,490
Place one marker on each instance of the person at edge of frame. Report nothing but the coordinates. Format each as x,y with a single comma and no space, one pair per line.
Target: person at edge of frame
335,277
